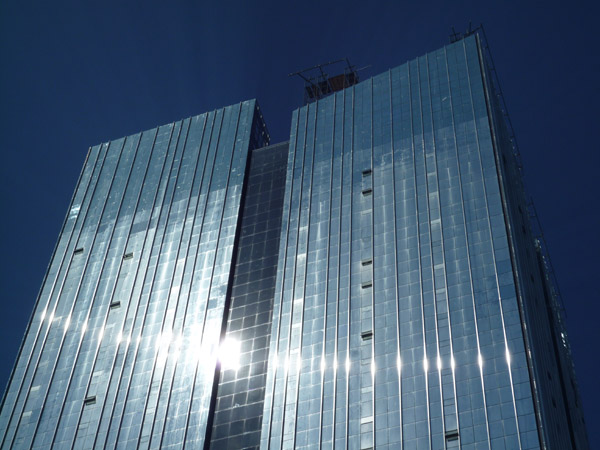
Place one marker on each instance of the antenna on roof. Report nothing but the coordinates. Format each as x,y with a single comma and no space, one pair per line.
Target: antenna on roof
318,84
457,35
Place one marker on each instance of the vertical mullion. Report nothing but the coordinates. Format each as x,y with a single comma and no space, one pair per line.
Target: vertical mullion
339,264
435,189
323,364
372,267
351,202
423,321
397,297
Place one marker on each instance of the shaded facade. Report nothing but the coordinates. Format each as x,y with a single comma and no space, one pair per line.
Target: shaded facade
373,283
239,399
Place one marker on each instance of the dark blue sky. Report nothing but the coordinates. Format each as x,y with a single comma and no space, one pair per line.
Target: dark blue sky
76,74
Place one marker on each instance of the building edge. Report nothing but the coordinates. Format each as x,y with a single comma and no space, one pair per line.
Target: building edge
527,253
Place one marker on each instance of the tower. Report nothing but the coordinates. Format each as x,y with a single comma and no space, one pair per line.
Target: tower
373,283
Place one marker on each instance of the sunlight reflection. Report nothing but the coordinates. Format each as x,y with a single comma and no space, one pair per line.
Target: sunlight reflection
229,354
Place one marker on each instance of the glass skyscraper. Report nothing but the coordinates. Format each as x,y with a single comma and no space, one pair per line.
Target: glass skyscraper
372,283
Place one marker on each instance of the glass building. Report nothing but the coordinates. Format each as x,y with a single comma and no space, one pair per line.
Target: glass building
375,282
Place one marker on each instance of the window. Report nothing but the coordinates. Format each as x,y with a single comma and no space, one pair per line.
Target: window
78,251
366,335
452,435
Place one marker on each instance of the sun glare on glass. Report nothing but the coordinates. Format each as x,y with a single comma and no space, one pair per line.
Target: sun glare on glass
229,354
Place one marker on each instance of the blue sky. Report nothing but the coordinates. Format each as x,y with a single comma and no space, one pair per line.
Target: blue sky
74,74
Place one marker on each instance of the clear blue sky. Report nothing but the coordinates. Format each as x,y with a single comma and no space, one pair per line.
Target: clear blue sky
74,74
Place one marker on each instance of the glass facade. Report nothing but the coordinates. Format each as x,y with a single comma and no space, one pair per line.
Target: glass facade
241,389
122,347
400,319
373,283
